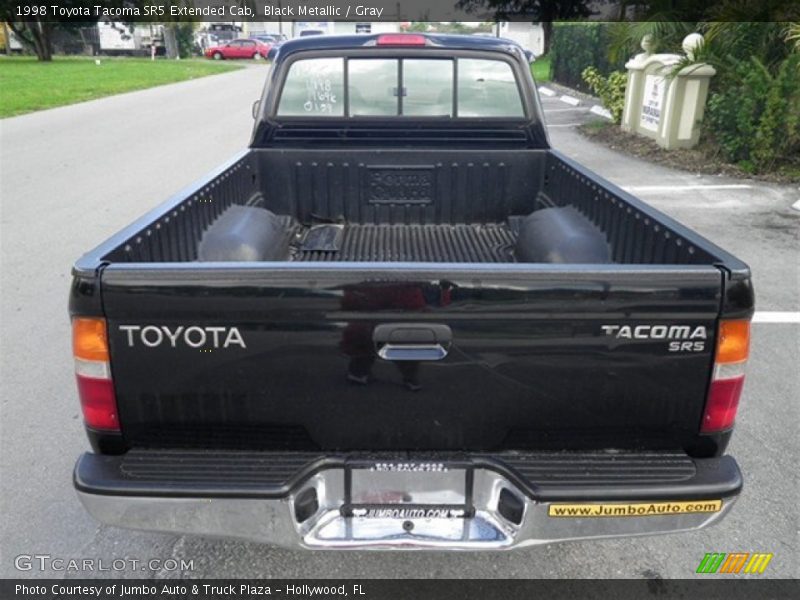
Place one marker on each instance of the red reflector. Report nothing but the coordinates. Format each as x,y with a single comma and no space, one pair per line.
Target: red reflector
723,401
98,403
401,39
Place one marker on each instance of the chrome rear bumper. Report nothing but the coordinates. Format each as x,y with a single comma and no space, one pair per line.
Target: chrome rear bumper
430,505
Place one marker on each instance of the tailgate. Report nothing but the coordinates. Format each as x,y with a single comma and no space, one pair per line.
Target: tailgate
438,357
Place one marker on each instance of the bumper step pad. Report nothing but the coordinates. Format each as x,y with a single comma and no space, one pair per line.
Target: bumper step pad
540,475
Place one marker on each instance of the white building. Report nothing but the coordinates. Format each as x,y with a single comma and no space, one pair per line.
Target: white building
351,27
292,29
528,35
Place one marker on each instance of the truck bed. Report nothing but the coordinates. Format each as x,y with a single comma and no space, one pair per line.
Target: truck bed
435,206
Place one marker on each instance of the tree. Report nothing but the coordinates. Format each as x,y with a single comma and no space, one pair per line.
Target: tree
171,40
542,11
178,32
7,37
36,32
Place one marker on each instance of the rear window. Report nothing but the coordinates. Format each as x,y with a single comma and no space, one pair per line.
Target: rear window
487,88
392,87
314,87
429,88
372,87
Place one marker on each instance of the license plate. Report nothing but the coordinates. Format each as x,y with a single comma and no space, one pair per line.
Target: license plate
407,490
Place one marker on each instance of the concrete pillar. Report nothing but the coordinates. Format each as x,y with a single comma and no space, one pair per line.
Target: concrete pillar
633,89
663,105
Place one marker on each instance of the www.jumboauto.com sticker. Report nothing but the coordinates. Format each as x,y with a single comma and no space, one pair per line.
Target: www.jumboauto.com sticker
642,509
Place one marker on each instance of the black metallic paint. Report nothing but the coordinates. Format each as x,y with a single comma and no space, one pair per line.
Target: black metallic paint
529,364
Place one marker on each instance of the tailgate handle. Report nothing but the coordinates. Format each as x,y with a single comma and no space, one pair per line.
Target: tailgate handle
412,341
412,352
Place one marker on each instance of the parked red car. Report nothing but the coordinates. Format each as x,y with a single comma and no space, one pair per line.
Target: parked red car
239,49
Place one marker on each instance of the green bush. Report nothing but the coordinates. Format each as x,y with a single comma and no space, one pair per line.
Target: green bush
184,35
778,132
575,46
756,121
610,90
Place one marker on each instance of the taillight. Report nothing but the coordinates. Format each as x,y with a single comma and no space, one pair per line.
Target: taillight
401,39
93,372
733,347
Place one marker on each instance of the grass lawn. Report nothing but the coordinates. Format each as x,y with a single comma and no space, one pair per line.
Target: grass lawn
541,69
27,85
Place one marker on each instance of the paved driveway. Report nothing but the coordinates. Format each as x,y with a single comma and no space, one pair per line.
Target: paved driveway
71,176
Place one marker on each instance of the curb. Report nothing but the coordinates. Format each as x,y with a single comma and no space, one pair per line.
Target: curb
601,112
578,100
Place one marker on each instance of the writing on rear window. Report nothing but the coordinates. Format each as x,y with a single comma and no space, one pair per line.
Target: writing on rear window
314,87
395,87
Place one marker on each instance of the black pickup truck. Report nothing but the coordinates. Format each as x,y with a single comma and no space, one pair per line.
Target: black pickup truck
400,319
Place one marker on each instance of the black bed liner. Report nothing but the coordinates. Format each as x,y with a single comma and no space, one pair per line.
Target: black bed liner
462,243
472,199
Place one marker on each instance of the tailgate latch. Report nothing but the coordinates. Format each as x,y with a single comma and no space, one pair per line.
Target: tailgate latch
412,341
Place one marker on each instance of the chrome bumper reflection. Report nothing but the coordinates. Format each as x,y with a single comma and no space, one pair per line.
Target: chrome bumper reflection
400,525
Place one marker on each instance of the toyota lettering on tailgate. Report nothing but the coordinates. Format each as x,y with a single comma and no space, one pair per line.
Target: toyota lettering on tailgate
194,336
